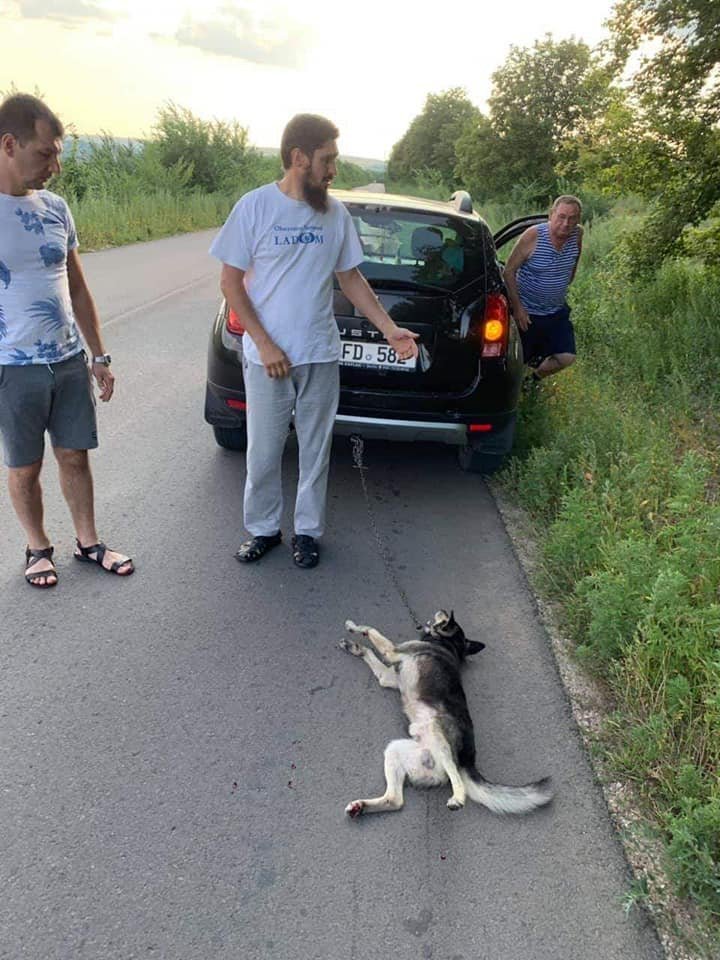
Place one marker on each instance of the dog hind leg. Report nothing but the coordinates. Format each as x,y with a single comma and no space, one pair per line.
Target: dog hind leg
443,753
401,756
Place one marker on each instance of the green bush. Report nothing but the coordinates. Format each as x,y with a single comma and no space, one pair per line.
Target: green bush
694,854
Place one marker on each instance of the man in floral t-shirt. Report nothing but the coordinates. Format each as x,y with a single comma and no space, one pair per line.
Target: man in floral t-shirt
45,306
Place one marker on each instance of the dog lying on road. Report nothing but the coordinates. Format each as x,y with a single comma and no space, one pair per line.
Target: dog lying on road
442,748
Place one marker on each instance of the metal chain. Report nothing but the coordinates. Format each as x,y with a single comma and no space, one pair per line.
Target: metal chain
358,445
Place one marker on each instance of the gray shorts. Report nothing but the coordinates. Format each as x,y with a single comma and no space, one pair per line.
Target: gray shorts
56,397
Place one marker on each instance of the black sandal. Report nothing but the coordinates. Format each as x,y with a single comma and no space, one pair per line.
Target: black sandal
257,547
306,552
31,558
100,549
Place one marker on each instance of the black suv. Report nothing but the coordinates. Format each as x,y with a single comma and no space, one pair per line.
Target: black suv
435,269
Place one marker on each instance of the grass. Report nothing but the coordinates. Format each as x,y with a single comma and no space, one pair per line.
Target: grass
617,462
108,222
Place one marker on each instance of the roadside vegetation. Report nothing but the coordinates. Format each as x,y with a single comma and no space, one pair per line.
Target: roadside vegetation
186,176
617,460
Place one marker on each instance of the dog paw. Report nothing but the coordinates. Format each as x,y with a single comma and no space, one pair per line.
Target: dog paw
354,809
352,648
454,804
352,627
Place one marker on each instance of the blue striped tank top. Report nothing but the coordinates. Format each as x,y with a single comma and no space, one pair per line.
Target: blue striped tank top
543,279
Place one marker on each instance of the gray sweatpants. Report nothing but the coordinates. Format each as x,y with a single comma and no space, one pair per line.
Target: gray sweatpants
312,391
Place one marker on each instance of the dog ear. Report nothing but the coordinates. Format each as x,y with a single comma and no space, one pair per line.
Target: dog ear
473,646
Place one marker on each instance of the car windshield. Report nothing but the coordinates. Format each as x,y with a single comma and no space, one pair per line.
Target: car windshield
418,249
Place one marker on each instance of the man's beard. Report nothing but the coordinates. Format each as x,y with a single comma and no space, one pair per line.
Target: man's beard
316,196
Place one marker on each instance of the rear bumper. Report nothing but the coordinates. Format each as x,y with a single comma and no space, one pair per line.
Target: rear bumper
498,439
377,428
218,412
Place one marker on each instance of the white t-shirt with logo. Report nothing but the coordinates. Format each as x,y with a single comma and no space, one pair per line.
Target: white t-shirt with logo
289,253
37,324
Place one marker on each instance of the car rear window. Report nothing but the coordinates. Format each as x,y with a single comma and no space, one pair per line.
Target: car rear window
417,248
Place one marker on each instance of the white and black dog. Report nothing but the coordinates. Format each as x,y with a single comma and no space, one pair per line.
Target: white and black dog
442,748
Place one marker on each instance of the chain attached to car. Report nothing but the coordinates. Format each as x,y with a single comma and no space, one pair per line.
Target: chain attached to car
358,447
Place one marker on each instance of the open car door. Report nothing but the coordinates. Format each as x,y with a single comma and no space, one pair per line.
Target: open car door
513,229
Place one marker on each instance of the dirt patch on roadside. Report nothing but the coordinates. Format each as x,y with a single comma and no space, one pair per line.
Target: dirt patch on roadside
673,918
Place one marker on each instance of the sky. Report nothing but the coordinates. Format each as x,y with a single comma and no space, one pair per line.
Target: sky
108,65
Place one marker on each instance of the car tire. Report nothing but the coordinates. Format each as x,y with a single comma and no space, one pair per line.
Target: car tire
231,438
473,460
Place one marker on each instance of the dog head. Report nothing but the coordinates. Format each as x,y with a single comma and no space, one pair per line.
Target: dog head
444,629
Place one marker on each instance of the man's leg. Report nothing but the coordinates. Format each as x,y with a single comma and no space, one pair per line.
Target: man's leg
24,411
554,364
26,496
315,408
76,483
73,431
269,411
560,338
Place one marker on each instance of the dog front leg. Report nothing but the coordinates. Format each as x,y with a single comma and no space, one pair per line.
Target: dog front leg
385,647
386,676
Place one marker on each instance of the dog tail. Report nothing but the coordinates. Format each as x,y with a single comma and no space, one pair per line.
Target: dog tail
503,799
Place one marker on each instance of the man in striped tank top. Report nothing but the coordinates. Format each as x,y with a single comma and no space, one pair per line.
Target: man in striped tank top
538,273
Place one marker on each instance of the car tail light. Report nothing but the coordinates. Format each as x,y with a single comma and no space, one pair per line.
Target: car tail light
479,427
495,326
236,404
232,322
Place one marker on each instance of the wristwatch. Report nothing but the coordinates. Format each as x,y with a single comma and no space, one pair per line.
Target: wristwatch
105,359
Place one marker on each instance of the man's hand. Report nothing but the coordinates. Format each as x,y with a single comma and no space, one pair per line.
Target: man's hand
522,318
274,360
403,342
105,380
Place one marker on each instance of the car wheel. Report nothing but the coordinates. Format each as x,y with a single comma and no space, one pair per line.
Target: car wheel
473,460
231,438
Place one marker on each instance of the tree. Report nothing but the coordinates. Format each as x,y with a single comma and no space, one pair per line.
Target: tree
674,94
543,101
680,78
429,143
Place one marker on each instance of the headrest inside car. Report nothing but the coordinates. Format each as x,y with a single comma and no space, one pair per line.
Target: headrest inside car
426,240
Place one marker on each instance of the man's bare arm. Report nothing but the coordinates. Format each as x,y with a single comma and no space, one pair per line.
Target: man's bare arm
356,288
86,316
522,251
273,358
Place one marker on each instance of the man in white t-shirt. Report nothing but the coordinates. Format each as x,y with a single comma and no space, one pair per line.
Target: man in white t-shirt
280,247
45,305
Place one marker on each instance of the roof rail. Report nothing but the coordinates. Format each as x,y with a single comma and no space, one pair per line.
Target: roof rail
461,201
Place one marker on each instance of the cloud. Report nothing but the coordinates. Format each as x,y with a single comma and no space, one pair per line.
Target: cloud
66,11
237,33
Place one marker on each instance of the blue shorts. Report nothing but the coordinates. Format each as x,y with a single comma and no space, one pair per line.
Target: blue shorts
548,335
53,397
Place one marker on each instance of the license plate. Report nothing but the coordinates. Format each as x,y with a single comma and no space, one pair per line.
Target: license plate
355,354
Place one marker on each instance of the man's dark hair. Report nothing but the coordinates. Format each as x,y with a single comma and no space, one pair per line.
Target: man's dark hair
308,131
20,112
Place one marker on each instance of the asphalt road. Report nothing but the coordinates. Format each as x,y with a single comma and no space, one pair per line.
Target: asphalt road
177,748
